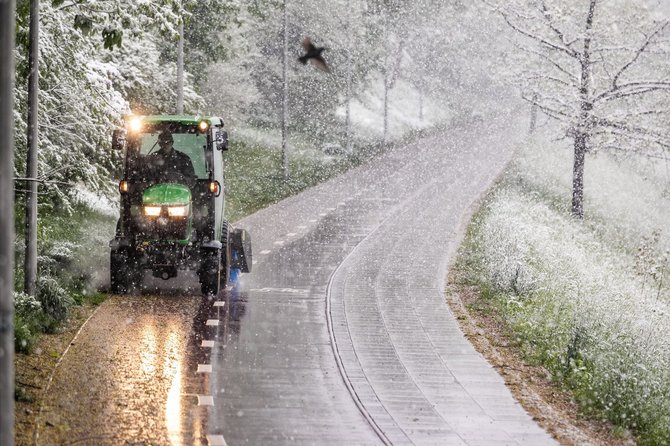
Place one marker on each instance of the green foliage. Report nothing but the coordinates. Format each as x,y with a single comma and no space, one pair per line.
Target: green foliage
55,301
254,177
20,394
95,298
85,88
84,24
71,247
206,39
28,322
111,38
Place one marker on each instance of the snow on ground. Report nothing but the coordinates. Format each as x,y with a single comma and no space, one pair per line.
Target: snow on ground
589,299
98,202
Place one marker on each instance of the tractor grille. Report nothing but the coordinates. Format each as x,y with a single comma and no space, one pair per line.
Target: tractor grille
164,228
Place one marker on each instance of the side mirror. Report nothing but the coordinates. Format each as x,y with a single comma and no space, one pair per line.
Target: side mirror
222,140
118,139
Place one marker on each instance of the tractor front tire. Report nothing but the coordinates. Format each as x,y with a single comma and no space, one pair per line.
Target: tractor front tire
210,273
124,272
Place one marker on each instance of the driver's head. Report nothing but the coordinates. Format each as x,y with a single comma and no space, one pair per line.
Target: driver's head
165,140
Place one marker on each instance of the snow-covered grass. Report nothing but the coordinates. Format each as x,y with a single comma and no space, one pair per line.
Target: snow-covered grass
589,300
254,176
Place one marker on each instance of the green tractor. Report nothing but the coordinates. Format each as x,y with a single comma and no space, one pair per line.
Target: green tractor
172,204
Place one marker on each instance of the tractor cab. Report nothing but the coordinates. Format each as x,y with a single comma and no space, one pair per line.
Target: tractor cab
172,204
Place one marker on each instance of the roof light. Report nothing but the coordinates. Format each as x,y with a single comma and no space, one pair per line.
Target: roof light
135,124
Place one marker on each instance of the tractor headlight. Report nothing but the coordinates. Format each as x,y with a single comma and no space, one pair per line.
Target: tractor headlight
177,211
152,211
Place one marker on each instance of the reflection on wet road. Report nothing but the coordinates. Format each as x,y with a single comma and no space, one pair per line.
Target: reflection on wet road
340,335
139,372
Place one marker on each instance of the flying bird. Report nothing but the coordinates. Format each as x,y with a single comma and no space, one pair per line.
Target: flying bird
313,54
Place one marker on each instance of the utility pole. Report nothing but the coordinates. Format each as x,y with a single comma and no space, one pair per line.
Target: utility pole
7,19
30,265
284,115
180,69
387,79
347,123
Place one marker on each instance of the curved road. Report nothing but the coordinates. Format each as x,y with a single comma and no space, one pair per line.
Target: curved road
341,335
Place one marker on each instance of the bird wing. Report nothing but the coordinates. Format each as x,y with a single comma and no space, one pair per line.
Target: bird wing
307,44
320,64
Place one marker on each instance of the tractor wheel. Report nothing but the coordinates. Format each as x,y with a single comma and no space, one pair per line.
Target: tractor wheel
124,272
225,255
210,273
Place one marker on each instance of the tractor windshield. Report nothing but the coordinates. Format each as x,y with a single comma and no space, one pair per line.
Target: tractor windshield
167,153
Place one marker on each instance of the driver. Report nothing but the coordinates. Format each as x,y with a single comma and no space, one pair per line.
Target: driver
168,163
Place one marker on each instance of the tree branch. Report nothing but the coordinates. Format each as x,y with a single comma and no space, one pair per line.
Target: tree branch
632,89
552,62
569,51
637,54
548,17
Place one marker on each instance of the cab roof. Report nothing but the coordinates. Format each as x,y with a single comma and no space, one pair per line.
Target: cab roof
213,121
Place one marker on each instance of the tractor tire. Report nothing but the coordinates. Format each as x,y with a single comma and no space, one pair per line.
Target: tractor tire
124,272
225,254
210,274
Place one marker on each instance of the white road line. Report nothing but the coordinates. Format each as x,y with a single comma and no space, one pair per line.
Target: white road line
207,344
302,227
219,303
313,220
322,215
279,242
266,251
212,322
205,400
204,368
330,209
291,234
216,440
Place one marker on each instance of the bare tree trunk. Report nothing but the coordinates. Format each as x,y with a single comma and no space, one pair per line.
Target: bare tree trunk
31,168
420,104
533,116
583,132
284,115
6,222
347,123
180,69
578,176
386,106
387,80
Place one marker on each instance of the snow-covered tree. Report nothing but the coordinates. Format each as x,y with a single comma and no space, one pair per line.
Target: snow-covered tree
600,68
208,30
98,61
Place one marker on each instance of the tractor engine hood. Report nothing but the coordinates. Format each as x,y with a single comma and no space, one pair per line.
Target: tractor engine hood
168,194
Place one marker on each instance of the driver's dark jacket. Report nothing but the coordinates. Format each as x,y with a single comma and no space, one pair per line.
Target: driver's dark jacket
173,167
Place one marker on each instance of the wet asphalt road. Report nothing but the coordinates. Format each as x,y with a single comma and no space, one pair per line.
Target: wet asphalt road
341,335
